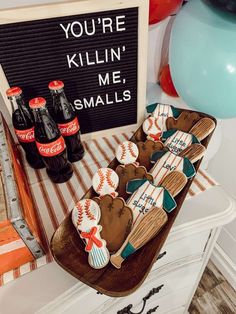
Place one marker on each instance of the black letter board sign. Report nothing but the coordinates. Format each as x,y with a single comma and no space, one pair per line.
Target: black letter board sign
99,53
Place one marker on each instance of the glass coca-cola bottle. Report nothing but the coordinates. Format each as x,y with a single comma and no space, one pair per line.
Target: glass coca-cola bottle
65,116
50,143
23,123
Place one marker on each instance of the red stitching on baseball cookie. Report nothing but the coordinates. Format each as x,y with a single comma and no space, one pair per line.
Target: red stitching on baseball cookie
102,180
157,126
123,151
87,211
130,148
109,180
80,214
150,124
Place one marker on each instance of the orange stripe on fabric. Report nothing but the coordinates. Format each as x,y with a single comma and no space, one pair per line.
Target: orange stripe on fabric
199,185
80,179
92,156
72,192
61,199
47,200
126,136
206,178
118,141
104,154
109,144
87,168
191,193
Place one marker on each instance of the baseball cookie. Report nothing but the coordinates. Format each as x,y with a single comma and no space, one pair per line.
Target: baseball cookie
127,153
105,181
116,221
153,127
85,217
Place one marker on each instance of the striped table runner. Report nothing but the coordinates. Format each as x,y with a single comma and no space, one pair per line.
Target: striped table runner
53,202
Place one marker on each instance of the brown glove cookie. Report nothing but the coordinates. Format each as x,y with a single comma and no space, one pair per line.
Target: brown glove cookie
146,149
184,122
116,221
127,173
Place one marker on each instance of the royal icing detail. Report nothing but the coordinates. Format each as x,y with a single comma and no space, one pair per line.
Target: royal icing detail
170,162
146,197
25,136
105,181
153,128
85,217
69,128
127,152
177,142
51,149
162,112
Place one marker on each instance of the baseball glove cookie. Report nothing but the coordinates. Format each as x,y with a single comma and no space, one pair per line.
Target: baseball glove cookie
184,122
130,172
116,221
146,149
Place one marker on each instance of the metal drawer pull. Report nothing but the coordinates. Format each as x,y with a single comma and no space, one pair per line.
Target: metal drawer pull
127,309
153,310
161,255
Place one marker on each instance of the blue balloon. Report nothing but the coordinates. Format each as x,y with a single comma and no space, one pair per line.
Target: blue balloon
203,58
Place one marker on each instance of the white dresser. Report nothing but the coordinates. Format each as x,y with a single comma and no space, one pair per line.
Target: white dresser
175,275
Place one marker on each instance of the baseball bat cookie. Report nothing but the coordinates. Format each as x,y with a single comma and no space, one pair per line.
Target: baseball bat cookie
143,232
177,141
127,153
85,217
194,152
105,181
153,127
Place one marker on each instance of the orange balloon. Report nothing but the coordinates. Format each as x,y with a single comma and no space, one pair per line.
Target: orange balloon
167,83
160,9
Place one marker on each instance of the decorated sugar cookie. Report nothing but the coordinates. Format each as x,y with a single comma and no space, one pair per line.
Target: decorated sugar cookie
85,217
166,162
105,181
152,127
116,221
127,153
176,141
147,195
162,112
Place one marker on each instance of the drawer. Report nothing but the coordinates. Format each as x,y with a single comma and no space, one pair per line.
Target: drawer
182,248
159,286
171,304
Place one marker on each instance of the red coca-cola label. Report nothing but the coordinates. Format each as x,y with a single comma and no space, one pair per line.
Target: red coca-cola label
25,136
51,149
69,128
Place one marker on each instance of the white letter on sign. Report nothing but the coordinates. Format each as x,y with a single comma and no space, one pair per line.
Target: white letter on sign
119,23
103,81
116,77
66,30
71,60
106,23
80,29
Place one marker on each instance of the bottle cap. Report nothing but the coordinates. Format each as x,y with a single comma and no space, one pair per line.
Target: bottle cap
37,102
55,85
13,91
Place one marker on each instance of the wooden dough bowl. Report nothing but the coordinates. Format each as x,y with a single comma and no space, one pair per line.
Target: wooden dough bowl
68,249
